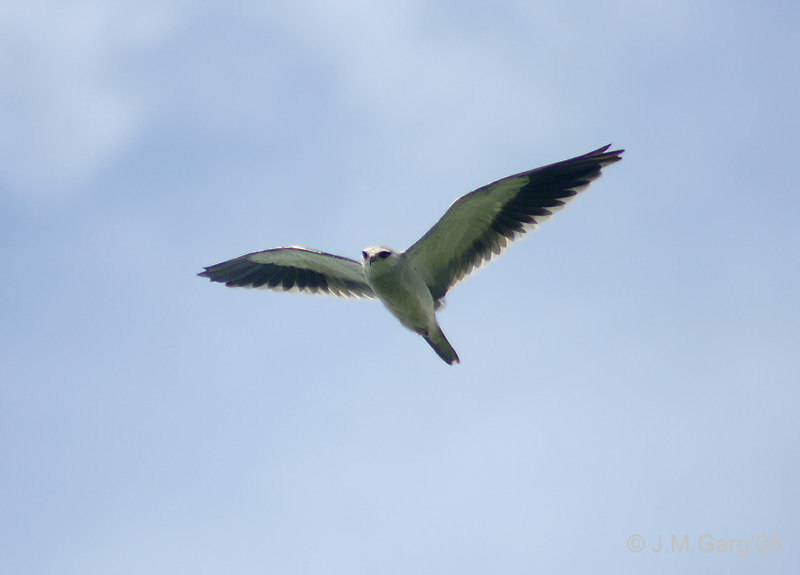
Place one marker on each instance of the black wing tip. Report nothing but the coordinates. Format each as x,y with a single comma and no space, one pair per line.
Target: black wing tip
605,156
208,272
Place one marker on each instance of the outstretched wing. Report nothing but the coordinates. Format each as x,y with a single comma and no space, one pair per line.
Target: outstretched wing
293,270
481,224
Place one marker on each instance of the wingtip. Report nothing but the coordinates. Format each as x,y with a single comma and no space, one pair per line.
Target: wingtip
604,156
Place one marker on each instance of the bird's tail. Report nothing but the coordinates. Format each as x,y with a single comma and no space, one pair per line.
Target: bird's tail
441,346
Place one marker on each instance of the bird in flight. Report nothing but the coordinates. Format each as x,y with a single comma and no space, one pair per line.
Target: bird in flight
412,284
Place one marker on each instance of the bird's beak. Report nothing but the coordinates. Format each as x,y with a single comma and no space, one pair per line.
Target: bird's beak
372,259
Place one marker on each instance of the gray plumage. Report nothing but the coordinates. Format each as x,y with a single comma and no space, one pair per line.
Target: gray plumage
412,284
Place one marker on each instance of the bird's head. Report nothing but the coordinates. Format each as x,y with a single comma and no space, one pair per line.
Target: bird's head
374,254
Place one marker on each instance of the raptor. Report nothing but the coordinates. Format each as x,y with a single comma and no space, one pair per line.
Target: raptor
412,284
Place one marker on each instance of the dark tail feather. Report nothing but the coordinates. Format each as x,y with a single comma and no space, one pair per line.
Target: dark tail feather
442,347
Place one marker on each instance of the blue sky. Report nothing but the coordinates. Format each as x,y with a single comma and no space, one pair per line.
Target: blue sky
628,369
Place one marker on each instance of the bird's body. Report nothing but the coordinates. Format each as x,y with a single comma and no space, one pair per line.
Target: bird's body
404,293
412,284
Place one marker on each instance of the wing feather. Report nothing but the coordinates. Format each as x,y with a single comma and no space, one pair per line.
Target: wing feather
483,223
293,270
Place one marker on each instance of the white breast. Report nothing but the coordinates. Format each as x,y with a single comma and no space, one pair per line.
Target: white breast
403,292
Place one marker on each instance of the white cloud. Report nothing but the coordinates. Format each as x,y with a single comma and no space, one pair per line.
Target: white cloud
64,106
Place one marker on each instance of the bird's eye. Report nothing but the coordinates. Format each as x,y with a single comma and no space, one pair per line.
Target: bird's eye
383,255
364,255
